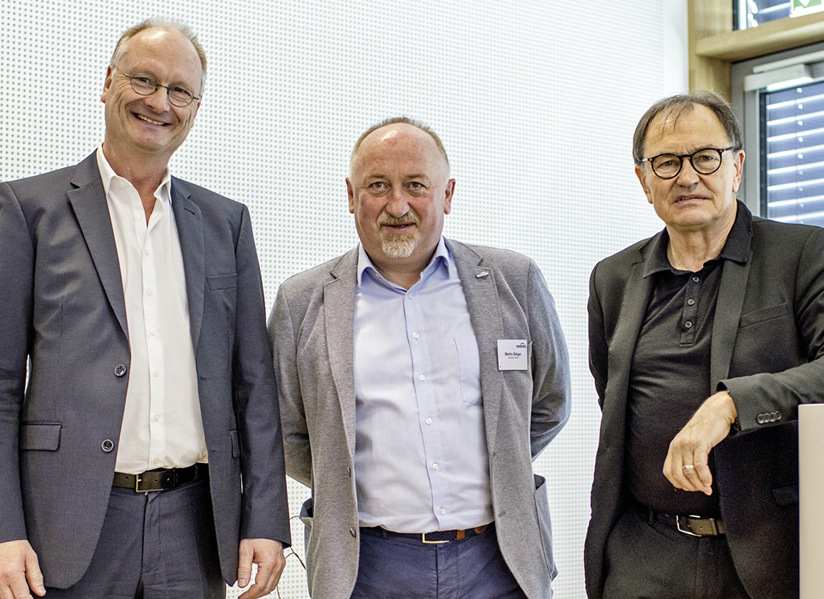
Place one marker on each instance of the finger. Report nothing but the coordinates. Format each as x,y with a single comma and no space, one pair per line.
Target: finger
244,567
19,588
34,575
703,478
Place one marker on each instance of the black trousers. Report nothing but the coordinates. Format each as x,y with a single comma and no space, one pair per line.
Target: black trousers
652,560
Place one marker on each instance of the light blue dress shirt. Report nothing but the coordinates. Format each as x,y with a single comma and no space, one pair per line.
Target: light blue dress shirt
421,462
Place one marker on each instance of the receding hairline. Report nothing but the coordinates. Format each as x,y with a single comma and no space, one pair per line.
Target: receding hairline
161,23
400,121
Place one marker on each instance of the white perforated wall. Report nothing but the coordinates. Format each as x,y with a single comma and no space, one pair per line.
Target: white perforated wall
535,101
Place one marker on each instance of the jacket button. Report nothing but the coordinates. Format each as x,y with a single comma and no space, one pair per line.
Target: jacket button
760,419
107,445
120,370
353,533
349,470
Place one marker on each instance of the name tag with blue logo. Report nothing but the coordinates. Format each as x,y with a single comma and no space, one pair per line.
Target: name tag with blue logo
512,354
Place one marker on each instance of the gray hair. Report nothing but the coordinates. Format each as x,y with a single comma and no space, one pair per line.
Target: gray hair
677,105
405,121
161,23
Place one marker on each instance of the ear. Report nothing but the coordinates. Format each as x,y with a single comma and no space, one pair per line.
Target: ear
107,84
739,170
642,177
351,193
448,193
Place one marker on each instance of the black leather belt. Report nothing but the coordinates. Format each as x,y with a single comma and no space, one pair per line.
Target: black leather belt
694,526
161,479
430,538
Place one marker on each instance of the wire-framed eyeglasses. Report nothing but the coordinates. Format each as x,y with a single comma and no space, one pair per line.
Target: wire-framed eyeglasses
146,86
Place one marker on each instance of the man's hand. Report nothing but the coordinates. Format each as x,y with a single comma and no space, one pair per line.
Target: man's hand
268,555
19,565
686,466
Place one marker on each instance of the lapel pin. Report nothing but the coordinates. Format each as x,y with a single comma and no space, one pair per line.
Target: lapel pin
482,275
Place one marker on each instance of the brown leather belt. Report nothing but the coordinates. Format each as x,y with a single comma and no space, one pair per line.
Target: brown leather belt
431,538
161,479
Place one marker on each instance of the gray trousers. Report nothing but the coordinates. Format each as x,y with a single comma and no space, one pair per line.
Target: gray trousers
157,545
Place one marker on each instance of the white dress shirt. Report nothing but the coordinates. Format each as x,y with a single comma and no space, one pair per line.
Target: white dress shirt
162,426
421,462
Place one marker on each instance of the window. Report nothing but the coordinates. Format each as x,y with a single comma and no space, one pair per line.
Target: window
752,13
780,101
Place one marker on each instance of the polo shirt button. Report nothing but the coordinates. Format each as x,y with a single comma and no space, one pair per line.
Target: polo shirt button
120,370
107,445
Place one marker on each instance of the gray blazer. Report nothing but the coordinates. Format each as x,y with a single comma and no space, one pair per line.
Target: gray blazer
312,326
767,349
62,308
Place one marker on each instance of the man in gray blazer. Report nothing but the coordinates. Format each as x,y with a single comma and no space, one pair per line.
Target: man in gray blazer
136,384
419,377
704,340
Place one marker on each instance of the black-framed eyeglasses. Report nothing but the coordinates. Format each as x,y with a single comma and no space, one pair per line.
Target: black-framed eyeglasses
146,86
705,161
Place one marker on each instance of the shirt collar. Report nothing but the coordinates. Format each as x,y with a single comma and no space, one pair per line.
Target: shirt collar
736,247
108,176
441,259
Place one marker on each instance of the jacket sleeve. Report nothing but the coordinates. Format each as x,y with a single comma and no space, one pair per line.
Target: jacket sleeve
550,365
16,283
779,394
265,505
282,333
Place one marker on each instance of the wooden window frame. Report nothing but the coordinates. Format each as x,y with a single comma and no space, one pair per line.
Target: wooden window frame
714,45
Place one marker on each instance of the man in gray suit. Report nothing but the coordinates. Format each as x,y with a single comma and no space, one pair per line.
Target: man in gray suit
704,339
419,378
136,384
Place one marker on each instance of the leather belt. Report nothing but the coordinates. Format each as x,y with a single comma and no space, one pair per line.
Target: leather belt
436,537
161,479
694,526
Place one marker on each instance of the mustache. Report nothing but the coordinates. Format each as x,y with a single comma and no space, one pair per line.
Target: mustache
407,219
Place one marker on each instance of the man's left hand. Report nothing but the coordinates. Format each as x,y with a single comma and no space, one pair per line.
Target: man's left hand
687,463
268,555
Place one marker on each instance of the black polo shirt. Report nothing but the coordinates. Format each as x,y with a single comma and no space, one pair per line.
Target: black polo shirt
670,376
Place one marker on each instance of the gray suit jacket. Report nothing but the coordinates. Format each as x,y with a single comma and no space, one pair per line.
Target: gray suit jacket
312,327
767,349
62,309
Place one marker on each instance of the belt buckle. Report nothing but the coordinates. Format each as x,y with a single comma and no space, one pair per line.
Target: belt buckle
138,489
688,530
423,540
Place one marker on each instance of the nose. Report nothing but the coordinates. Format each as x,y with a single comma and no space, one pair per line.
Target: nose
688,175
396,204
159,99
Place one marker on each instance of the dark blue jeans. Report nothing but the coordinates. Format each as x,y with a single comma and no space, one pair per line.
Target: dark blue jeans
473,568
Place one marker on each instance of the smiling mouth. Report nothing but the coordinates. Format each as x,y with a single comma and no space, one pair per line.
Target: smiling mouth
148,120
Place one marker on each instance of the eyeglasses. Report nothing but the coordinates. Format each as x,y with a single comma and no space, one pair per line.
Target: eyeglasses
705,162
146,86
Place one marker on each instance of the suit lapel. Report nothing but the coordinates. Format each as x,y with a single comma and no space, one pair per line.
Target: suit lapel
731,292
627,328
189,223
339,315
88,200
481,293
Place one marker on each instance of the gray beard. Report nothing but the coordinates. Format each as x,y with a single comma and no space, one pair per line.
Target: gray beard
399,246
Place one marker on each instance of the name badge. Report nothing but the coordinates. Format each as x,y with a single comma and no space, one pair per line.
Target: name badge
512,354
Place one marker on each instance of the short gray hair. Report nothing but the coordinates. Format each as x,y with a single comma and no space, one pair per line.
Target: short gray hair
405,121
681,103
161,23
